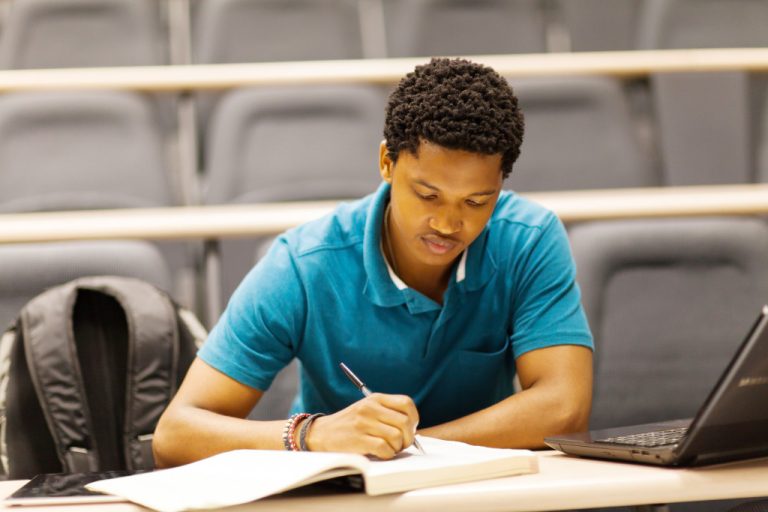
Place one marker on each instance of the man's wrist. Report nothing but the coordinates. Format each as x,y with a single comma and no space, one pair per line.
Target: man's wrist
313,439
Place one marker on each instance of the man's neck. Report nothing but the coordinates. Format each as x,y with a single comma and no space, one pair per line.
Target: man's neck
430,281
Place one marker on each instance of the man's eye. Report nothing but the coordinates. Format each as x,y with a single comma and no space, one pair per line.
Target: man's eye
428,197
475,204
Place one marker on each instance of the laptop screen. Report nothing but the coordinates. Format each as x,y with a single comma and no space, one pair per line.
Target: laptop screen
734,418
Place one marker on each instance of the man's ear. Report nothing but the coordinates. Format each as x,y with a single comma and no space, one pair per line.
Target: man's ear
385,163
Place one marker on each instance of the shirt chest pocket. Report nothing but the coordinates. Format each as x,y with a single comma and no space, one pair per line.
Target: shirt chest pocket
470,380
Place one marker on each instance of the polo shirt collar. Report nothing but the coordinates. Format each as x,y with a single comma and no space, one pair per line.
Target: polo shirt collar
384,288
479,264
379,286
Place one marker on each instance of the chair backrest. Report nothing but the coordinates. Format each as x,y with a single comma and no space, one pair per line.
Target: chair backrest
707,121
579,134
294,143
668,301
597,25
706,124
82,33
80,151
759,99
27,270
464,27
703,24
276,30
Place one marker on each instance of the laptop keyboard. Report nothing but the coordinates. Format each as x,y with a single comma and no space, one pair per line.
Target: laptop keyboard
649,439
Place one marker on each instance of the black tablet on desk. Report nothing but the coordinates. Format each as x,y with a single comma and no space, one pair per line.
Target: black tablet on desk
63,489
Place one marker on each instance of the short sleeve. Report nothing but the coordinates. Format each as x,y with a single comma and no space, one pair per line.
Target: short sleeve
258,332
547,308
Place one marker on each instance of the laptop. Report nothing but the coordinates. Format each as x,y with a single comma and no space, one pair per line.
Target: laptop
732,423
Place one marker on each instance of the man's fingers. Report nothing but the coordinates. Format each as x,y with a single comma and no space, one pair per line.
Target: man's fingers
387,434
401,403
379,447
396,412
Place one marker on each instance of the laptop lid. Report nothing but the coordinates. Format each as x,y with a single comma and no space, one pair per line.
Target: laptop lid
731,424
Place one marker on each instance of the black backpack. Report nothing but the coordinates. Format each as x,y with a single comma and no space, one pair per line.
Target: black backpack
86,370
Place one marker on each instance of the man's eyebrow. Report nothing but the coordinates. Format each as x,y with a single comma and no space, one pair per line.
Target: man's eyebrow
432,187
425,184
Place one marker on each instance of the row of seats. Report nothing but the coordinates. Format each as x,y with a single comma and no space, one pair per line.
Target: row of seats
65,151
668,301
109,149
60,33
580,134
105,150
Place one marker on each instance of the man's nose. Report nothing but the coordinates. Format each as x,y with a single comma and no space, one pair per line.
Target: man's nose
446,221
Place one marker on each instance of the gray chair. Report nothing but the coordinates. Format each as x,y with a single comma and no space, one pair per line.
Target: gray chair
707,125
668,301
83,33
712,127
579,134
63,151
26,270
276,30
759,125
597,25
703,24
464,27
277,144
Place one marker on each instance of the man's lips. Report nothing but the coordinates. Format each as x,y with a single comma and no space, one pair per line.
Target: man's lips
439,245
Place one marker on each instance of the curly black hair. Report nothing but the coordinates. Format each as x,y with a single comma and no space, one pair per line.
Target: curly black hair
456,104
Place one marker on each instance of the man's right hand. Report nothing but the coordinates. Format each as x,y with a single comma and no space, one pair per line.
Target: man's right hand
380,424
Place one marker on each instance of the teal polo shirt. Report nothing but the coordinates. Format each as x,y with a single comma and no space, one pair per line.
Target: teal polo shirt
324,293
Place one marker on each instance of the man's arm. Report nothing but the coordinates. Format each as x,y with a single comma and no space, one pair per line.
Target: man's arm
556,398
207,416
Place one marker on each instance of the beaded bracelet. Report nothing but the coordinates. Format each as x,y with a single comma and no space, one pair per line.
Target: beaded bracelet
304,429
289,429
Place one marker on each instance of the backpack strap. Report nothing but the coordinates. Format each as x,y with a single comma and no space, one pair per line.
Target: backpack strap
55,372
6,344
153,349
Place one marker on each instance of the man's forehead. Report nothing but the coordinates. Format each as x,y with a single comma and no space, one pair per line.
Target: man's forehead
455,170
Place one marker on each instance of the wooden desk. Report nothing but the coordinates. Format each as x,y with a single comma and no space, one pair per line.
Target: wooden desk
266,219
563,483
625,64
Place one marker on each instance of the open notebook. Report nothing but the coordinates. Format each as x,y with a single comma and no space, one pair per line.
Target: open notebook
241,476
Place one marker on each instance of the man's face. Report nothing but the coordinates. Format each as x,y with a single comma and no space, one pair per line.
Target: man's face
440,202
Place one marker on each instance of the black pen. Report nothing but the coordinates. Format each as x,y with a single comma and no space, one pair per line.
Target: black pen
365,391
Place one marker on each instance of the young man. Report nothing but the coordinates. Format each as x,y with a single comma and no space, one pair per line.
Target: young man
437,290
